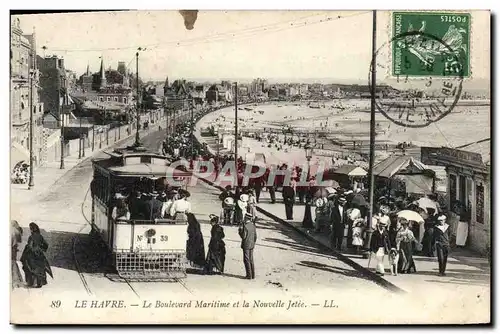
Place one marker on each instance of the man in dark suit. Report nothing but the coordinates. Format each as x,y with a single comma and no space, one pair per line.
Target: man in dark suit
271,187
156,207
248,234
153,207
289,200
258,184
136,206
338,217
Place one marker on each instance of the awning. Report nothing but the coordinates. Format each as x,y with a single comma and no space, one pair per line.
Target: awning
350,170
397,164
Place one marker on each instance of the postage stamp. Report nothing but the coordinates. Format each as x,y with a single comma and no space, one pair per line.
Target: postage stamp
434,44
426,101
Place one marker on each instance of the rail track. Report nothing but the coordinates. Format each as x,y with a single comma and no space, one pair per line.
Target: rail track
77,241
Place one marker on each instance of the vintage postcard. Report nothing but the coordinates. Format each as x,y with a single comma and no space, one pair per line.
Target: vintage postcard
250,167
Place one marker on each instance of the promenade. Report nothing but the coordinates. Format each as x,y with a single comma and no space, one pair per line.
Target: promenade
468,274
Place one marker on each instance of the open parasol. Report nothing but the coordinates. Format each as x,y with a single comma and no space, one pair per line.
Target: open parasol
411,215
426,203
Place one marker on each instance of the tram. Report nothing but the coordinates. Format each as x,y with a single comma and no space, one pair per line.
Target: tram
141,249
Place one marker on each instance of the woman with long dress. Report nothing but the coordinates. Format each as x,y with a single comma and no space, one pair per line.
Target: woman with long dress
428,248
16,234
195,246
358,222
405,241
35,264
252,203
216,256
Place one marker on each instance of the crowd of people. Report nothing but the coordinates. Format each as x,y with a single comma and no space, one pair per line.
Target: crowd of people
399,228
343,214
20,173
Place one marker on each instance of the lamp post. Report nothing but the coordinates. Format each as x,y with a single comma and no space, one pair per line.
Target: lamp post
190,103
61,116
236,136
137,140
83,145
107,128
31,183
307,222
80,141
371,178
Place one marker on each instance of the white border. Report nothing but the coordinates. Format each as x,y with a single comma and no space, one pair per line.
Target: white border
187,4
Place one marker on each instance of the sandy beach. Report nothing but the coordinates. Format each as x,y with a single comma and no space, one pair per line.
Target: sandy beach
345,121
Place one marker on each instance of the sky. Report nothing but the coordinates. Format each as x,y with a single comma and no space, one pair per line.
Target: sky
280,45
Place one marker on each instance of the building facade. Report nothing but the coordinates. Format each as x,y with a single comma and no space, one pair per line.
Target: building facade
24,96
176,95
469,186
52,83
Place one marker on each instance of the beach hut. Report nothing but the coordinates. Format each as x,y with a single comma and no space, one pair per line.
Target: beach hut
348,176
404,173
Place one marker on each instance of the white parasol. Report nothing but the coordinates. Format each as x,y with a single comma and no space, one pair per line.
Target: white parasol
426,203
411,215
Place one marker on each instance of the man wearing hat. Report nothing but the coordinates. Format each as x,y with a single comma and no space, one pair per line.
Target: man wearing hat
441,239
227,210
225,194
153,206
248,234
380,245
241,209
338,218
136,206
289,199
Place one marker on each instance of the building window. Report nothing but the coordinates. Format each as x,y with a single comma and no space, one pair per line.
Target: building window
108,99
124,100
22,105
116,99
101,99
453,189
480,203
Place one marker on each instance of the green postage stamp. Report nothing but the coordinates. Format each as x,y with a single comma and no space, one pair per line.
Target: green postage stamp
431,44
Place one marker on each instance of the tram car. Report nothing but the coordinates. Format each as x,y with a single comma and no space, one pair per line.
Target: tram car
151,249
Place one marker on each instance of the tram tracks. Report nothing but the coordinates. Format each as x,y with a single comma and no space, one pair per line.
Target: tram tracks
76,239
77,242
